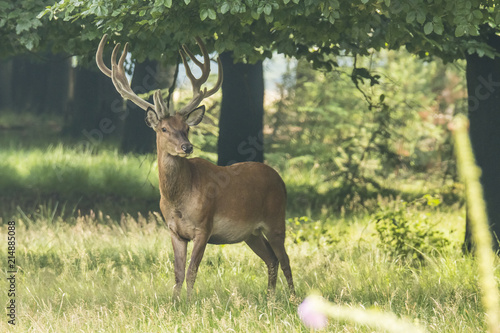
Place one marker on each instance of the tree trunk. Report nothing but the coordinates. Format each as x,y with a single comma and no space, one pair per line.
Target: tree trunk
39,86
137,137
483,86
6,84
242,111
56,90
29,82
95,108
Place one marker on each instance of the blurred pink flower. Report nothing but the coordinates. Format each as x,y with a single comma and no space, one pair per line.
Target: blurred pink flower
310,315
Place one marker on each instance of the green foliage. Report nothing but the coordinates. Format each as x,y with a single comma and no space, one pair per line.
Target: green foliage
304,229
409,235
357,140
253,29
18,24
23,31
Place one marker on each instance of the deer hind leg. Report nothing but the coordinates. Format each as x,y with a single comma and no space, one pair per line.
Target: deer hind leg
263,249
277,242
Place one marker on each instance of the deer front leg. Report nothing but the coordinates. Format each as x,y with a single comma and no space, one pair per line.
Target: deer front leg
199,245
180,250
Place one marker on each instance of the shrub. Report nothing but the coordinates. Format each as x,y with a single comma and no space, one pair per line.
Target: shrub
407,234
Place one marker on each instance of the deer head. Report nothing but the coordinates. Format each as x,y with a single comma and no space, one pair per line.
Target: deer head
171,127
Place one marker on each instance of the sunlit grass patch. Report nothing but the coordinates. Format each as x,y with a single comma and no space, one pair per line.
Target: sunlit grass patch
121,183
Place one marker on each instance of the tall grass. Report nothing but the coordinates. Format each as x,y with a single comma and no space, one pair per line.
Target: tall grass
97,274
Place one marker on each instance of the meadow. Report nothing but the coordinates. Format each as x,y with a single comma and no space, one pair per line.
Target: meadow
91,271
95,274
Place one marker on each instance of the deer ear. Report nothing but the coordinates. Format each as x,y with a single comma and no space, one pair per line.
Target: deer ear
151,118
194,117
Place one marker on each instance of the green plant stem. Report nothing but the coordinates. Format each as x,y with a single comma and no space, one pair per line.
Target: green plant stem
386,321
476,209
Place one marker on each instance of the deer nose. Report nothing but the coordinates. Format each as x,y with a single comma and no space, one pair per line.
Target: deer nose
187,148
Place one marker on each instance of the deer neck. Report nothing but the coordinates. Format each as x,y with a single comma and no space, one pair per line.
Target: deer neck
175,177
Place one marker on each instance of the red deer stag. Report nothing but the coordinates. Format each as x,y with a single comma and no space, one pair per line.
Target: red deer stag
200,201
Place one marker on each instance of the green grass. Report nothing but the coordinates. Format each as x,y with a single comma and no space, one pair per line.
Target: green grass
98,274
76,180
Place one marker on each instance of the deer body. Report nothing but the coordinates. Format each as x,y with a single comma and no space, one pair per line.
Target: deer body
202,202
229,215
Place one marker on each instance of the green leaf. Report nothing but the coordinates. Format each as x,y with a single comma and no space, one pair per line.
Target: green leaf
460,30
473,30
410,17
420,17
187,2
203,14
212,14
268,9
30,44
477,14
23,25
224,8
438,29
168,3
43,13
428,28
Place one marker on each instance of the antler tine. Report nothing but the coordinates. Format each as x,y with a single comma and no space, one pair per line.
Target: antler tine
198,94
191,56
113,56
218,84
161,108
98,57
205,65
121,61
118,76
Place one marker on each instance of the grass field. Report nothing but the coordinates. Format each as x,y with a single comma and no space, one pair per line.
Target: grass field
98,274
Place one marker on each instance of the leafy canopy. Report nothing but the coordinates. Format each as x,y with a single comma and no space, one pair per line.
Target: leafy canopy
253,29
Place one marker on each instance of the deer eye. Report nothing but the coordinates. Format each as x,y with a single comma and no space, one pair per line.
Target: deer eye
164,129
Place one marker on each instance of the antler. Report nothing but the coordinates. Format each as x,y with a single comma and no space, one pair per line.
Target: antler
117,75
198,94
